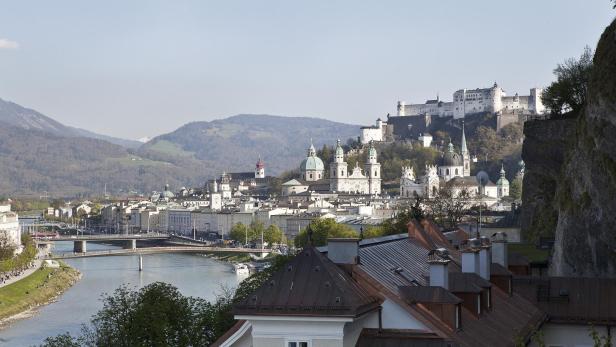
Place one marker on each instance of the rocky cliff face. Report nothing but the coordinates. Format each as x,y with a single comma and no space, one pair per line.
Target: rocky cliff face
570,185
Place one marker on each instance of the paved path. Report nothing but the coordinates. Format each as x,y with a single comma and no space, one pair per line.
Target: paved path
38,261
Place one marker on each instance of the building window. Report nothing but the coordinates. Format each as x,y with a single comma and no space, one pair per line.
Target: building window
456,172
376,173
297,344
447,172
310,175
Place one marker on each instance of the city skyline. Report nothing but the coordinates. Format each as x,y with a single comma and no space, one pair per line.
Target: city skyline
146,68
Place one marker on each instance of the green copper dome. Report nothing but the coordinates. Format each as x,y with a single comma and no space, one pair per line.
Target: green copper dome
312,162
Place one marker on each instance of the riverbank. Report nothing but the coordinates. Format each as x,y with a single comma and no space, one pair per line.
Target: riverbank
40,288
231,257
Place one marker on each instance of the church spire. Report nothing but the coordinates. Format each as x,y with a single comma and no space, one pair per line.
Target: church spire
464,150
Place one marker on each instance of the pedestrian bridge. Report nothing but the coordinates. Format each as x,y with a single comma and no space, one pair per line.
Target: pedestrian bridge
164,249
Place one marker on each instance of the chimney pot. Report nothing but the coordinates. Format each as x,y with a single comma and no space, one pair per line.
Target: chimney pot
499,249
438,260
343,251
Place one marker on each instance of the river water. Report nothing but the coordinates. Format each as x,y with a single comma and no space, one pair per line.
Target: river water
193,275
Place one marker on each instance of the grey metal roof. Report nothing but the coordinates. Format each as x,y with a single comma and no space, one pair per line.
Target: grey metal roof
397,263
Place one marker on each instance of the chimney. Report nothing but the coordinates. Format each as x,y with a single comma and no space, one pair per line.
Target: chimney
417,233
485,258
470,256
499,249
343,251
438,260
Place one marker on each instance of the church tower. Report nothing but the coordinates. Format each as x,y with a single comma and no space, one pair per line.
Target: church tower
466,158
373,171
338,170
260,169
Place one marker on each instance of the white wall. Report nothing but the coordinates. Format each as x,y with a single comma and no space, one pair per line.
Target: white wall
396,317
568,335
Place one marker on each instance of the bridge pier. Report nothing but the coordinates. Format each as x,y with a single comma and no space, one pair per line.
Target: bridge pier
79,246
130,244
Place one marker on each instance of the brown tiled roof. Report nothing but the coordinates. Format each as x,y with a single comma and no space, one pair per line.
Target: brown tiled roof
421,294
572,299
499,270
400,338
510,317
236,327
309,285
462,282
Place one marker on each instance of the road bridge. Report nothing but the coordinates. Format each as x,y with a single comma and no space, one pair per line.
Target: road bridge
80,241
164,249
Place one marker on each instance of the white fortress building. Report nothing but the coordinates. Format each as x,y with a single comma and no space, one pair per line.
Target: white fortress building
469,101
379,132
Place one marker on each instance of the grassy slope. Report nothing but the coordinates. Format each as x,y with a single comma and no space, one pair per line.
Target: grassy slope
36,289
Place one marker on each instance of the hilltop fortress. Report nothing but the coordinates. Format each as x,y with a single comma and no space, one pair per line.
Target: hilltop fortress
469,101
414,120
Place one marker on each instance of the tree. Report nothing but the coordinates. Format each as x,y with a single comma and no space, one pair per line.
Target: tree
62,340
156,315
7,249
568,92
272,234
159,315
242,233
515,190
449,206
322,229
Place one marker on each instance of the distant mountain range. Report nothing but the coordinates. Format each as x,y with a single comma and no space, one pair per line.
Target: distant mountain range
25,118
39,154
235,143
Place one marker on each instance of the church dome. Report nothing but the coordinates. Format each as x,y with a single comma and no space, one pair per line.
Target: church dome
312,163
167,194
502,181
451,158
339,150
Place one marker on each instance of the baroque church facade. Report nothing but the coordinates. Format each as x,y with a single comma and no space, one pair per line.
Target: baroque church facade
453,169
357,181
366,181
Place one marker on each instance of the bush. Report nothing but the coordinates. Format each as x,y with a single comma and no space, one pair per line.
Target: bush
322,229
159,315
568,92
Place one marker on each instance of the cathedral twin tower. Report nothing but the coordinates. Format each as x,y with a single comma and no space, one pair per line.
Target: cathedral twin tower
341,180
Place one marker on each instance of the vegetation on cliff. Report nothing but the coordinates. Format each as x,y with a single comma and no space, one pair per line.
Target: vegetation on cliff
570,183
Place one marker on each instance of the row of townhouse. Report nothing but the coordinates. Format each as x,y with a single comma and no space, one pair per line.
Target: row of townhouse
192,219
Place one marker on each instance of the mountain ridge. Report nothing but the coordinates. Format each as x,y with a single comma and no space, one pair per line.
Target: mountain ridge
27,118
39,154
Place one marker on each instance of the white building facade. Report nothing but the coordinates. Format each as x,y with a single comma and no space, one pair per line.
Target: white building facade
366,182
469,101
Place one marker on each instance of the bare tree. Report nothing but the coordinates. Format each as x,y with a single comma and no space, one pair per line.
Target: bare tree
449,206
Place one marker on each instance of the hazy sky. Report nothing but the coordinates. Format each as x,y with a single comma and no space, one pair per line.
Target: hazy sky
141,68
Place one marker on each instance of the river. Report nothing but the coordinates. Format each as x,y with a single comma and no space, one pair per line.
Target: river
194,275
